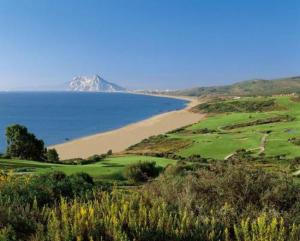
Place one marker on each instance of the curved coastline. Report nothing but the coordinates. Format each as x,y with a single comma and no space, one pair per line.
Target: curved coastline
119,139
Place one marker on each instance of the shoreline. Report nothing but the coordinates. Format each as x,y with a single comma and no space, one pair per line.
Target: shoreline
120,139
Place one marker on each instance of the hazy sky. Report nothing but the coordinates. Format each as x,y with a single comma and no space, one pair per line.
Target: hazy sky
148,43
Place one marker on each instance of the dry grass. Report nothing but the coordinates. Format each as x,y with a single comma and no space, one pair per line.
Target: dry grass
159,144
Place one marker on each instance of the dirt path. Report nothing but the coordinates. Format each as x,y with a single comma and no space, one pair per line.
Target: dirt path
261,147
263,142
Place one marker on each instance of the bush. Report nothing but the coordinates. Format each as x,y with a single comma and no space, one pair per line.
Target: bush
244,190
257,105
176,170
95,158
52,156
4,156
141,171
46,189
73,161
81,161
236,202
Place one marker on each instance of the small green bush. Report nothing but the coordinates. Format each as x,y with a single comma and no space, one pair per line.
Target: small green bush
47,188
141,171
176,170
95,158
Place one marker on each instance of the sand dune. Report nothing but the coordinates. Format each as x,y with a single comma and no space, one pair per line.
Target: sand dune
119,139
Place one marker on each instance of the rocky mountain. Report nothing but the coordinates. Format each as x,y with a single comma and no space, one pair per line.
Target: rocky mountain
93,84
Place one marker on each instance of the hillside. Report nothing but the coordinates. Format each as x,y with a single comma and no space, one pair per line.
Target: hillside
248,88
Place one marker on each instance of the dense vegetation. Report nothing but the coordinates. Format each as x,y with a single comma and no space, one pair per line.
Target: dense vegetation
257,122
248,105
225,201
141,171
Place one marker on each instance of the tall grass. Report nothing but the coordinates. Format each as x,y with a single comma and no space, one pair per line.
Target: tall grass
123,216
141,215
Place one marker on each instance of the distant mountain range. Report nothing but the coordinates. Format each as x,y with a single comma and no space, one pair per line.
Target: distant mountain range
93,84
247,88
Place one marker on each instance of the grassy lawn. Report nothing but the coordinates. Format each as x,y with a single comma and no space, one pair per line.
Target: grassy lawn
223,142
110,168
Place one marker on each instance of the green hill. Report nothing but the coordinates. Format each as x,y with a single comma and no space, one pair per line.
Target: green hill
248,88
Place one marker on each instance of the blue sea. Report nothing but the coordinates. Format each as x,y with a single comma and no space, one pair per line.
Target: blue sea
57,117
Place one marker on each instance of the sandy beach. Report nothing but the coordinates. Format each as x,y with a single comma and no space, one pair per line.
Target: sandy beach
120,139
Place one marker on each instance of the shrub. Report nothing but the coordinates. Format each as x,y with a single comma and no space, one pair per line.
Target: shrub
241,187
81,183
141,171
81,161
95,158
224,202
73,161
257,105
45,189
52,155
176,170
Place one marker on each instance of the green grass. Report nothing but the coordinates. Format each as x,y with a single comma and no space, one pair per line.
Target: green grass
110,168
224,142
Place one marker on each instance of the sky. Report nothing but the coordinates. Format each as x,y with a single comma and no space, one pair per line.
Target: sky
156,44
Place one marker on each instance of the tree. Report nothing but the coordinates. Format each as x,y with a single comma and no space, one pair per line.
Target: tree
52,155
22,144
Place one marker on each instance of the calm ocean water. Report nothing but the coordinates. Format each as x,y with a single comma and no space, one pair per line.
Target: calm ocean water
58,116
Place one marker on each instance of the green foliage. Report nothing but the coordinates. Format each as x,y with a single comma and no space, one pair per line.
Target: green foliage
52,156
222,202
265,121
81,161
23,145
47,188
244,190
95,158
177,170
193,212
186,131
256,105
141,171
